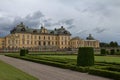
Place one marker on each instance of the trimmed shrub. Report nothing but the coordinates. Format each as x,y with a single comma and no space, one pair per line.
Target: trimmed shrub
27,51
118,50
22,52
107,52
85,56
103,51
112,51
105,73
113,68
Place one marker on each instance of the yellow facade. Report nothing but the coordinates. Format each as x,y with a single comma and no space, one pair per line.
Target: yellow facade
2,43
76,42
39,39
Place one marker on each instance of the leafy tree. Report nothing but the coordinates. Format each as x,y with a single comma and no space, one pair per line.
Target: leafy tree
111,44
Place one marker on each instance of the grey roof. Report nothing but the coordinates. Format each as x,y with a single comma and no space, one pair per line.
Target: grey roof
90,37
76,38
21,28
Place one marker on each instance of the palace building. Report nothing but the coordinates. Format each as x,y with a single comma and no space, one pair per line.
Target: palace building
22,36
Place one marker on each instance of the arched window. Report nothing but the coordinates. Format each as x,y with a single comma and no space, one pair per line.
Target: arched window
39,43
44,43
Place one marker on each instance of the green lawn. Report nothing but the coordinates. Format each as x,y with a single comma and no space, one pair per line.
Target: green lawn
7,72
112,59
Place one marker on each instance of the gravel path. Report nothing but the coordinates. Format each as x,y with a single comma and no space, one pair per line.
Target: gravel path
45,72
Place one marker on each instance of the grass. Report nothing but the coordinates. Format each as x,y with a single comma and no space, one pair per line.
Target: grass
48,52
111,59
7,72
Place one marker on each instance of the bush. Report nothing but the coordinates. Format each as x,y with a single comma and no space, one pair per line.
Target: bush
22,52
105,73
85,56
112,51
113,68
27,51
118,50
103,51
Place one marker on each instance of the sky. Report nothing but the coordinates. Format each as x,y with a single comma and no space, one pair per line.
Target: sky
101,18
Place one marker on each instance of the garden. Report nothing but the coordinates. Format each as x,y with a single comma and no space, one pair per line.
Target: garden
106,66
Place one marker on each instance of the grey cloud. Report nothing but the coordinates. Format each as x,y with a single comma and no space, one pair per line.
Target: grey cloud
99,30
36,15
67,23
81,32
32,21
71,26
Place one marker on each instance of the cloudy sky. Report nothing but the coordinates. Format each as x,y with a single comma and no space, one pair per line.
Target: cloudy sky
101,18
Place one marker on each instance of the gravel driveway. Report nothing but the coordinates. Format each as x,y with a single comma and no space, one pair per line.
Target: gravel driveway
45,72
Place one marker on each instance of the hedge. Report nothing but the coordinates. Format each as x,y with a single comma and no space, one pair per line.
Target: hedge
112,51
105,73
103,51
113,68
85,56
23,52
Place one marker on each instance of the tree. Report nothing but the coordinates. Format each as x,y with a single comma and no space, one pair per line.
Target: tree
113,44
102,44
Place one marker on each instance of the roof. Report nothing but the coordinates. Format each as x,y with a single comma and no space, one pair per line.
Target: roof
21,28
76,38
90,37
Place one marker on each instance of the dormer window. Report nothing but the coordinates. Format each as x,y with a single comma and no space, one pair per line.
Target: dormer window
34,31
61,26
23,29
52,32
65,32
55,29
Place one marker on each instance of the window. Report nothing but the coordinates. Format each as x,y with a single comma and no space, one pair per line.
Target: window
8,41
48,42
23,42
39,37
35,37
27,36
48,38
23,36
44,43
62,43
27,41
44,37
16,41
39,43
52,43
52,38
35,42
